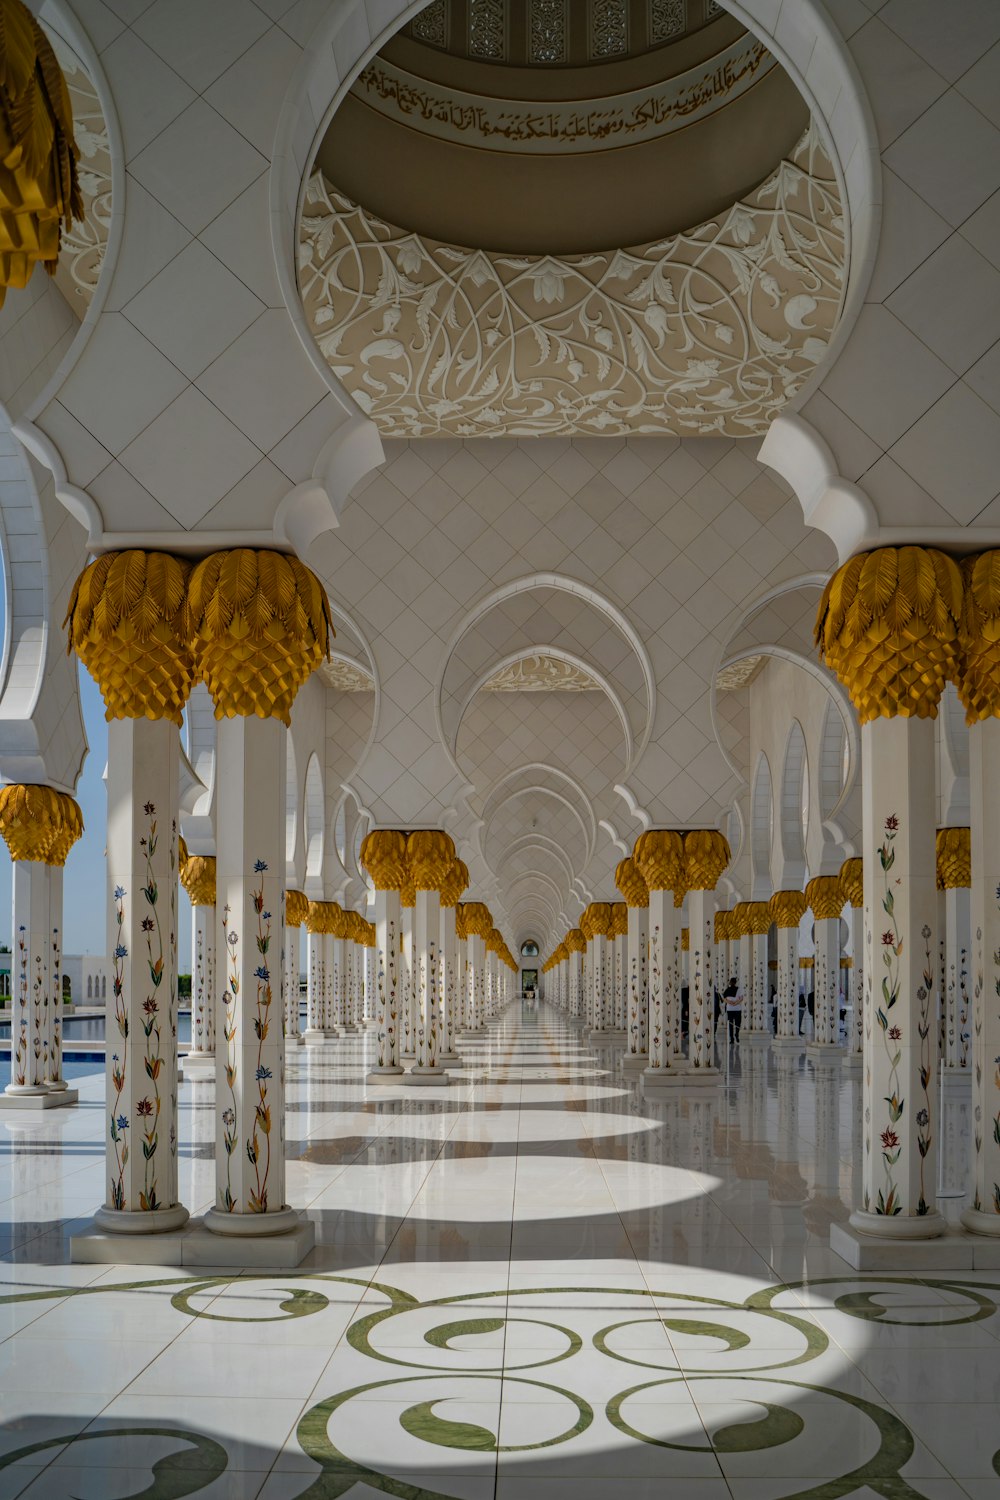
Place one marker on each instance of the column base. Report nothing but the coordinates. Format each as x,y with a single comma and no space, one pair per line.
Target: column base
25,1090
195,1245
976,1222
635,1062
898,1227
199,1065
953,1251
757,1038
29,1099
788,1043
384,1075
449,1059
294,1039
255,1226
316,1038
122,1221
654,1079
817,1051
419,1077
56,1086
853,1061
956,1075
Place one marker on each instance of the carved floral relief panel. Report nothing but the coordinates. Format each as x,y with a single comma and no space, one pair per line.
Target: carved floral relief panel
711,331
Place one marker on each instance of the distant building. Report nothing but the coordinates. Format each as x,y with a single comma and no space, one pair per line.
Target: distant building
85,978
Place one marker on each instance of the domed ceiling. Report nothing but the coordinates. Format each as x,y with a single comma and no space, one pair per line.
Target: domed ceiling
495,239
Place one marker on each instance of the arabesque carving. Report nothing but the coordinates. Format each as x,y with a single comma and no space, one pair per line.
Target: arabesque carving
712,331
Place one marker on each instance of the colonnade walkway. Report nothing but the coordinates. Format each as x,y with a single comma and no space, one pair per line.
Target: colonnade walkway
534,1283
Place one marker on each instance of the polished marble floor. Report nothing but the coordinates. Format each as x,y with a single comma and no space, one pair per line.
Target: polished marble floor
534,1284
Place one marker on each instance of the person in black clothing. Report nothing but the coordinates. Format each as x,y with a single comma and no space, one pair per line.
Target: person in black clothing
734,1010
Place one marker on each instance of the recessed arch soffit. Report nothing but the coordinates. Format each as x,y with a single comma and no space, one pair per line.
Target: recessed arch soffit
580,732
522,856
779,624
352,699
794,783
532,809
548,612
539,776
708,332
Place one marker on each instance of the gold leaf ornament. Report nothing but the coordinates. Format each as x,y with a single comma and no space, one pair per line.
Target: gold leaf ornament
39,189
259,625
383,855
788,908
575,941
126,622
38,823
456,884
953,848
659,854
198,879
478,919
296,908
430,855
597,920
852,880
706,855
619,919
757,917
629,881
979,674
825,896
888,626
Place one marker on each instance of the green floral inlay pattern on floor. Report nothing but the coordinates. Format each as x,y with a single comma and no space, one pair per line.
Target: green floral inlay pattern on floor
471,1382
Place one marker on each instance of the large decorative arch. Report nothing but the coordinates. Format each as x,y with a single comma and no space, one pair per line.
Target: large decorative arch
313,825
803,38
761,829
526,585
791,828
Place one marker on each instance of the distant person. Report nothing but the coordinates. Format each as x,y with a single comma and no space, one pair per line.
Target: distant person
734,1010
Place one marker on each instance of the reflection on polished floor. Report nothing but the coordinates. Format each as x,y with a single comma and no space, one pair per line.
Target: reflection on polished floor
533,1283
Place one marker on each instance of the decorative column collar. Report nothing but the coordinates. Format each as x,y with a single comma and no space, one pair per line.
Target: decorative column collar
39,823
953,847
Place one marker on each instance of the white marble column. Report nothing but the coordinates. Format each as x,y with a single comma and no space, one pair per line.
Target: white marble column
293,928
638,983
198,879
427,988
756,1020
574,976
706,855
31,1013
900,914
852,884
826,900
316,977
250,900
954,878
407,1006
788,908
450,985
660,857
387,938
141,1088
984,784
619,1021
54,1079
477,980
